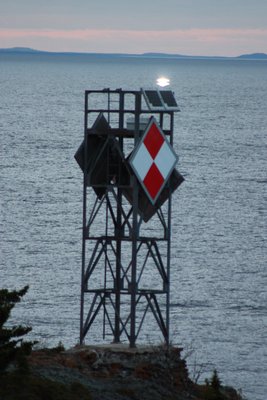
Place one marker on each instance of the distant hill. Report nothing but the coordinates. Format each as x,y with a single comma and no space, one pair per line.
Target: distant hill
27,50
166,55
20,50
254,56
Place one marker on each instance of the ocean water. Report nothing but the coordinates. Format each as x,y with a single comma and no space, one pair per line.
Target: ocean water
219,230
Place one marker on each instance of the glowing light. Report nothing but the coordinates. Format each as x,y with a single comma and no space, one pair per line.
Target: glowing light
162,81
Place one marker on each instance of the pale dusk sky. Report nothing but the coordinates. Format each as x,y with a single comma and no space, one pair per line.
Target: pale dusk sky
191,27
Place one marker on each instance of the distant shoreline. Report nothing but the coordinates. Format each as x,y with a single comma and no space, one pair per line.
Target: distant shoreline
27,51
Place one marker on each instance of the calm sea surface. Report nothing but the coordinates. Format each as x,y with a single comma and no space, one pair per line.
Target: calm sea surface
218,296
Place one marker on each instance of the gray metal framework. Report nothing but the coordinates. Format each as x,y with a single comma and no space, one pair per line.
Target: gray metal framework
125,277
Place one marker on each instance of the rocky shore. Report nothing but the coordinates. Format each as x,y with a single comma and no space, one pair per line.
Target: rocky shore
116,372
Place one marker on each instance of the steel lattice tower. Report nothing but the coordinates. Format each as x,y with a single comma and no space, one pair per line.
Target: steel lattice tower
126,238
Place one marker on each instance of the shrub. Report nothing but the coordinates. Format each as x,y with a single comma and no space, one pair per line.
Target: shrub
12,346
215,381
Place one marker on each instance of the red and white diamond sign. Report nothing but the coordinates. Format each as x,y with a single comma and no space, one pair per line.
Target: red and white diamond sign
153,160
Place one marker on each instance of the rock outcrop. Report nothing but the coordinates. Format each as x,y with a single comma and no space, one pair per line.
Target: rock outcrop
116,372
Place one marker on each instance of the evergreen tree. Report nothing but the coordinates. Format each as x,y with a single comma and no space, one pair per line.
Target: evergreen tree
12,346
215,381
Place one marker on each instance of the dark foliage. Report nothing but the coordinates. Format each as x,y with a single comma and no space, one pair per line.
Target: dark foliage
215,381
12,346
17,386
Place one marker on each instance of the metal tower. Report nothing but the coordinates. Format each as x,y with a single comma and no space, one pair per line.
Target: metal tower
126,220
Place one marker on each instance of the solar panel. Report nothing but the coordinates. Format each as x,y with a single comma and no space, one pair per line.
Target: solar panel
162,100
153,100
168,98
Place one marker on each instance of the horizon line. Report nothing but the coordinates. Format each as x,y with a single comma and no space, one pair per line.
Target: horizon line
21,49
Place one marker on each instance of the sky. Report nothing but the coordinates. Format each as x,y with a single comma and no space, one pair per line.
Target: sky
190,27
